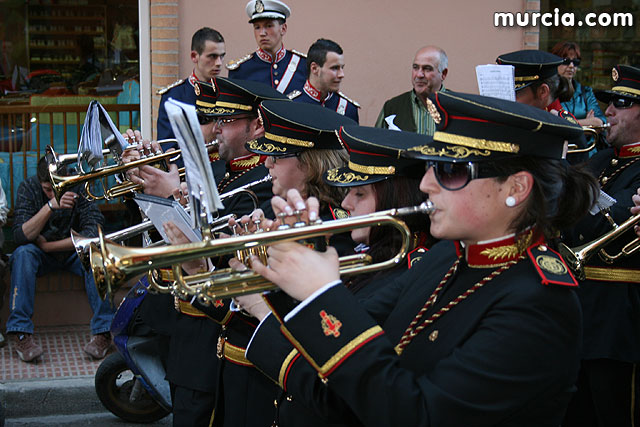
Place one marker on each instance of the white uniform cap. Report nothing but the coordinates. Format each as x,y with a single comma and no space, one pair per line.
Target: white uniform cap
267,9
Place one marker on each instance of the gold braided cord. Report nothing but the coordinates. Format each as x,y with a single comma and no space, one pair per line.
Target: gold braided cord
373,170
527,78
205,104
479,143
626,90
234,106
289,141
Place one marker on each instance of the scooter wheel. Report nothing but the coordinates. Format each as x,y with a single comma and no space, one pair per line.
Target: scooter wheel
114,383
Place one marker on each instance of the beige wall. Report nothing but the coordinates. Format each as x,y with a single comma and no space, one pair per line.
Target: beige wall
379,38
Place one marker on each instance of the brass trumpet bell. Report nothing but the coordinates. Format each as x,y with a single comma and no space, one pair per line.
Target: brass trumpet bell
578,257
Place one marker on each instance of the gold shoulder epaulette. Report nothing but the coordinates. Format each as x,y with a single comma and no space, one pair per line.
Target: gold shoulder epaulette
165,89
234,64
294,94
304,55
349,99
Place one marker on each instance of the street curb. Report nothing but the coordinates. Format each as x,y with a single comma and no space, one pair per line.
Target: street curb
55,396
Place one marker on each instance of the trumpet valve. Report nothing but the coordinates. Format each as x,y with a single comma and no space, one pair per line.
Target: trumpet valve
299,222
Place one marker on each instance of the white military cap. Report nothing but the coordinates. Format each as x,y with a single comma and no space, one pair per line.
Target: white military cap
267,9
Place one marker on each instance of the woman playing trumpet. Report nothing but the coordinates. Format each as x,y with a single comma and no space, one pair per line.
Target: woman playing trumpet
485,329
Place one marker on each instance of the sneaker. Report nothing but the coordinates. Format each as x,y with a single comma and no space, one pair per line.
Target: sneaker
98,346
25,346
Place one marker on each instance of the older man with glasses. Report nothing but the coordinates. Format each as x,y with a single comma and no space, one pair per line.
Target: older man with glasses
608,384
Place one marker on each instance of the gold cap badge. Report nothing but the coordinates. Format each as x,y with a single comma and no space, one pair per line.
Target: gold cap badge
259,7
614,75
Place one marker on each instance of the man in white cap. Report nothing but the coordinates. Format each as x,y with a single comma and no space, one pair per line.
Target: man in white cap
271,63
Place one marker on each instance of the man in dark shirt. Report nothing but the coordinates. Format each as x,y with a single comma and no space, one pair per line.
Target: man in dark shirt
41,229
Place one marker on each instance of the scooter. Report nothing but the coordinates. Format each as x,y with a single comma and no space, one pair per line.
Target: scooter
130,383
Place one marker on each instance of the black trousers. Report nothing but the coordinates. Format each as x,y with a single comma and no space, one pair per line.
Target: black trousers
608,395
191,408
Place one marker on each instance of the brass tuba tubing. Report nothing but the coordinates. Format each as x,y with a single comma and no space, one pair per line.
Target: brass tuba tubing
595,131
577,257
116,264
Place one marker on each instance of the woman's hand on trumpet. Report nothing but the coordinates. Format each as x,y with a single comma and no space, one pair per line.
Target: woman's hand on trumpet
250,223
295,268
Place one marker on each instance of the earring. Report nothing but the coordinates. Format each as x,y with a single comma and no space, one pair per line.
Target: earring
510,201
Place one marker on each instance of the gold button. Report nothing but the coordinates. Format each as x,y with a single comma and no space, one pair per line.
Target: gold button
614,162
275,403
275,66
604,180
289,398
543,248
433,335
276,81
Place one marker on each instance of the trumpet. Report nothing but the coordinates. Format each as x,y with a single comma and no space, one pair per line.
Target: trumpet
82,243
61,183
112,264
596,132
577,257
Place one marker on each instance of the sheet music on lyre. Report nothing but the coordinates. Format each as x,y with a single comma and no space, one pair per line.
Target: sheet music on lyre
99,130
497,81
203,192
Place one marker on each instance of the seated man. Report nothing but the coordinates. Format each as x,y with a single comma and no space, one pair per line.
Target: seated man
41,229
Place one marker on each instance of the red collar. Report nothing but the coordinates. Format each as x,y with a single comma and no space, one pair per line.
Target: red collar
629,150
266,56
315,93
499,251
246,162
192,78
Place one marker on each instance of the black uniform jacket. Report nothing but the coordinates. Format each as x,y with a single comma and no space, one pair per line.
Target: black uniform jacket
506,354
244,395
192,362
270,351
610,296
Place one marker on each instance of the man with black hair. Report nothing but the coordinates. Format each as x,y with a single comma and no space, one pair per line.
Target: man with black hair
325,70
41,229
207,54
271,63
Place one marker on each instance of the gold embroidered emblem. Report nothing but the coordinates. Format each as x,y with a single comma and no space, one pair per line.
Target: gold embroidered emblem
330,325
259,7
265,148
344,178
196,89
635,150
453,151
433,335
509,251
614,74
551,264
433,112
340,213
245,163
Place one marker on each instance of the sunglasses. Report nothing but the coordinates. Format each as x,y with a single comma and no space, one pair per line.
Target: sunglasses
456,176
275,159
621,103
220,122
205,120
576,61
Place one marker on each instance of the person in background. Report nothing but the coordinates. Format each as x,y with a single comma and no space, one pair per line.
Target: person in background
4,210
325,68
408,111
41,231
207,54
282,69
583,105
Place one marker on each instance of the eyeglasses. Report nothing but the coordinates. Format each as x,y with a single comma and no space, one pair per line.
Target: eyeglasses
576,61
275,159
456,176
621,103
222,122
205,120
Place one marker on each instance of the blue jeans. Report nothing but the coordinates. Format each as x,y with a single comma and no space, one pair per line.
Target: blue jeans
28,262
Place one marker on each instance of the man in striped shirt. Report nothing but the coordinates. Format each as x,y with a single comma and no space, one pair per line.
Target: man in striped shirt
408,111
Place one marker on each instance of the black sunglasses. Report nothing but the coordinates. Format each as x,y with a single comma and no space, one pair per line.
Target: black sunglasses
205,120
456,176
275,159
621,103
567,61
